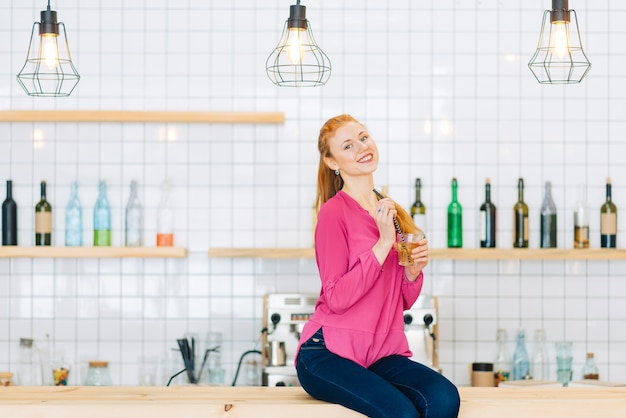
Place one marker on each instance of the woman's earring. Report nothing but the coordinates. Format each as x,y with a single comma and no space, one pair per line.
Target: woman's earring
336,172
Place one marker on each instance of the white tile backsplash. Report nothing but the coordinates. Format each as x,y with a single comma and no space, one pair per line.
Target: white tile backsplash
448,94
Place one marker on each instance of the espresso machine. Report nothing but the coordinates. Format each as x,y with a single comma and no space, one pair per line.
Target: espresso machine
284,316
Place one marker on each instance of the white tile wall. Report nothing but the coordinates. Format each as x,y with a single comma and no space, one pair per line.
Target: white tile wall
443,87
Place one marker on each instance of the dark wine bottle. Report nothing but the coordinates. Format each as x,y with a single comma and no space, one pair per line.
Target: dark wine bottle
43,219
520,218
548,219
488,220
455,220
608,220
418,210
9,217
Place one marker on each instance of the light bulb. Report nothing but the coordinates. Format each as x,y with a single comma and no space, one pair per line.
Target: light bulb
295,50
49,51
560,38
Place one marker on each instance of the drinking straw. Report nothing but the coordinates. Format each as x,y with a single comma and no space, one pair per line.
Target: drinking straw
397,225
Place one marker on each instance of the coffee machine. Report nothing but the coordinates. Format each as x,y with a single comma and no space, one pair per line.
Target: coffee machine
284,316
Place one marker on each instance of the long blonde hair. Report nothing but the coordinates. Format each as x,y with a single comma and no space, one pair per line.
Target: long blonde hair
328,184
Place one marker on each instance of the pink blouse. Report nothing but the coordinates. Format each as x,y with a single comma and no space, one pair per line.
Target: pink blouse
361,303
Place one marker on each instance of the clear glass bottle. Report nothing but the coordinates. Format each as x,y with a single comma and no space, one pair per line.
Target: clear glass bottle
165,218
134,218
521,362
73,219
9,217
102,218
27,373
455,219
581,220
520,218
539,366
418,209
548,219
98,374
590,370
502,364
608,220
487,222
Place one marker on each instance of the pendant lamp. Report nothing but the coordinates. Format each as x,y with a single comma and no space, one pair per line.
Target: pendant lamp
559,58
48,70
297,61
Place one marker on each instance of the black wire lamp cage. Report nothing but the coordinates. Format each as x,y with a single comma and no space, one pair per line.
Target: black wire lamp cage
559,58
48,70
298,61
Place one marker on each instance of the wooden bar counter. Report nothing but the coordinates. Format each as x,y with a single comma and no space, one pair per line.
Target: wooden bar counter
288,402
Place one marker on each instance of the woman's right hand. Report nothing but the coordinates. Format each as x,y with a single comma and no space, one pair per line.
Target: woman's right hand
383,216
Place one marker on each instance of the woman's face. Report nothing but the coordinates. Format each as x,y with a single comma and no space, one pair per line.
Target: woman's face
352,151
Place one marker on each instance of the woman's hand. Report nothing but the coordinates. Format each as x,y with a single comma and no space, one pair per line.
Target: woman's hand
383,216
419,255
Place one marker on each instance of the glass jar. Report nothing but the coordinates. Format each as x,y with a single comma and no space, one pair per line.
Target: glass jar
98,374
6,379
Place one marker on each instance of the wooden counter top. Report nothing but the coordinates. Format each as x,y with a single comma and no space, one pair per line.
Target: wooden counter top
288,402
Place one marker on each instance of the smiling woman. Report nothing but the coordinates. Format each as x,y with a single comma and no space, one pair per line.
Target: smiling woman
353,350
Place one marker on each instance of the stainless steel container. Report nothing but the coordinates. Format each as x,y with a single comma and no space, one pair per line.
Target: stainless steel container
276,354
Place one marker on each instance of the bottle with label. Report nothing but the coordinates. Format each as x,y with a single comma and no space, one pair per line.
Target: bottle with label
43,219
548,219
520,218
502,364
9,217
102,218
581,220
521,362
590,370
455,219
134,218
165,218
608,220
74,219
418,209
539,366
487,220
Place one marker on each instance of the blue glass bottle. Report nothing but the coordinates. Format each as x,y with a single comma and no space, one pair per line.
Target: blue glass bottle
73,219
521,362
102,219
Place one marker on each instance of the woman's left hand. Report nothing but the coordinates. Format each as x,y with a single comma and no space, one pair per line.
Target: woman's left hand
419,255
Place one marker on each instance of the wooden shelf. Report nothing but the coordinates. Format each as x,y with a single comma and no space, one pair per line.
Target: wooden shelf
139,116
92,252
442,253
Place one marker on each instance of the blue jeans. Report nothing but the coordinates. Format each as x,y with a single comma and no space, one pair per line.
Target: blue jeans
393,387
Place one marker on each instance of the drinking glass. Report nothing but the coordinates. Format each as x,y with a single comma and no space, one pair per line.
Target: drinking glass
404,248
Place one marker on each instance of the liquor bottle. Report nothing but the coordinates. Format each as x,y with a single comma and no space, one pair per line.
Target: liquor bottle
102,218
9,217
548,219
539,366
520,218
590,370
488,220
134,218
455,220
418,210
521,363
43,219
581,221
608,220
502,364
165,218
74,219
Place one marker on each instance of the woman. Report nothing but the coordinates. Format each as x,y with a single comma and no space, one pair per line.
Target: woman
353,350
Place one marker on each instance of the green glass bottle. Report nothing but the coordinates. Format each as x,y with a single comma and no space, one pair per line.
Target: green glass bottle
418,209
520,218
43,219
102,219
608,220
455,220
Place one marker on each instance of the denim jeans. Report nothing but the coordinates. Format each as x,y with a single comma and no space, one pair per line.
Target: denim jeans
393,387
